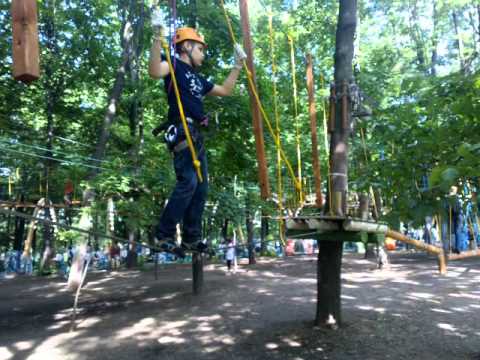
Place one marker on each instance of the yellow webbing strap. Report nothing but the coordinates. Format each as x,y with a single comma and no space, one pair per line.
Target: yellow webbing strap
259,103
196,162
277,124
327,151
295,108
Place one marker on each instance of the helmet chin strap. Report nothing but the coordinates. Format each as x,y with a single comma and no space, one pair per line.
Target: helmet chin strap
192,63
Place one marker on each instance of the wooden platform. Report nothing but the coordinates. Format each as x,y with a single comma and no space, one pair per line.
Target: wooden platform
336,228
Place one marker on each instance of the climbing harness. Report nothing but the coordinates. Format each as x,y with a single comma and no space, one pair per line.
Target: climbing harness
191,146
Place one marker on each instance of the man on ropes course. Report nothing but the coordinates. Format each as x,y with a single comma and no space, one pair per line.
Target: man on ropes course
185,90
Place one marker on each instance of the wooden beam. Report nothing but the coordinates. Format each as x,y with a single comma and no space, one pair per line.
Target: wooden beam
256,118
442,266
464,255
26,63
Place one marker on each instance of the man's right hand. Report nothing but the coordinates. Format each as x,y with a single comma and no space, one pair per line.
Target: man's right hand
158,21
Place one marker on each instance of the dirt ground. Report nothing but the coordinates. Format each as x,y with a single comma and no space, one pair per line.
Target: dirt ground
264,311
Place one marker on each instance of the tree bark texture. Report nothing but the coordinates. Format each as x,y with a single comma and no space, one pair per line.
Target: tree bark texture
329,283
330,252
343,73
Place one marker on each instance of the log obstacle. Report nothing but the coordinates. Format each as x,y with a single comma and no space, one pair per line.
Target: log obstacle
26,64
464,255
442,265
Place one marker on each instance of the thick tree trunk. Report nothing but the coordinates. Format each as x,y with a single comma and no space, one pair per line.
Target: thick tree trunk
329,283
330,252
343,73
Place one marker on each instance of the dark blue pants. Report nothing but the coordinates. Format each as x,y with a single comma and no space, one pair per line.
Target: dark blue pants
187,201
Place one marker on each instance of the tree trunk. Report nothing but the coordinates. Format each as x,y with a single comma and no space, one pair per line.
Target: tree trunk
127,34
225,230
416,34
458,42
19,229
343,73
263,232
249,226
131,260
329,284
330,252
433,70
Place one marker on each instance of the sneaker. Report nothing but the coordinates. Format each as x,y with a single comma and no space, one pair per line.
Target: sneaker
170,246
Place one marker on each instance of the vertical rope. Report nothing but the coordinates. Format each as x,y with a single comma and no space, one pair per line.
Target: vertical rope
259,103
297,125
277,125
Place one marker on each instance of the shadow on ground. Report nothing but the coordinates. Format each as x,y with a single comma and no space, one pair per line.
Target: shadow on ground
264,311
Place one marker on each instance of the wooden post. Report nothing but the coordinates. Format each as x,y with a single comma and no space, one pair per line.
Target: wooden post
313,128
197,272
256,119
26,66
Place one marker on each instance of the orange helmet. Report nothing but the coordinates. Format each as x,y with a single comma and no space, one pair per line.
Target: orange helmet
187,33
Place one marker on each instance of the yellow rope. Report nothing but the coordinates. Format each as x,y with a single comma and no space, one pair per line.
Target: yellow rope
196,162
251,84
327,151
295,108
277,124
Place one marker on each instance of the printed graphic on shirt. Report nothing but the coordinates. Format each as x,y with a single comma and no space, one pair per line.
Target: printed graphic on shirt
194,84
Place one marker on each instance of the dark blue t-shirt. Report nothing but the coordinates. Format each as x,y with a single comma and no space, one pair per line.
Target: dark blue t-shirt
192,87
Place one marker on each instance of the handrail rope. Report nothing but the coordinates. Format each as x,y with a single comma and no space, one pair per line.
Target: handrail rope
50,158
61,160
196,162
53,150
297,125
259,103
277,124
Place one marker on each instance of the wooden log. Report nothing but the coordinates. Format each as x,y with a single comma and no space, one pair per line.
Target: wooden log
26,64
197,272
256,119
442,266
464,255
370,227
313,128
